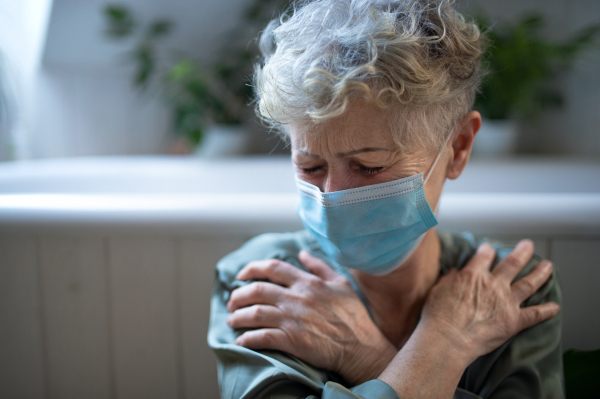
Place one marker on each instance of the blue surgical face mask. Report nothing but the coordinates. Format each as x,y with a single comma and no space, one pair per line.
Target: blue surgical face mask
372,228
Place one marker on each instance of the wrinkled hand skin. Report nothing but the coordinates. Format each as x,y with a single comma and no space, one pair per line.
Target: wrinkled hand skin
477,310
315,316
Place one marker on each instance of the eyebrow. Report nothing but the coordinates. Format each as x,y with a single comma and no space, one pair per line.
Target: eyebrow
347,154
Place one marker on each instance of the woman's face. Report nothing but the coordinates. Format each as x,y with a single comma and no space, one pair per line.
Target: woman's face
357,149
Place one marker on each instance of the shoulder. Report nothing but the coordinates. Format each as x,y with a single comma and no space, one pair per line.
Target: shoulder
529,365
282,246
458,249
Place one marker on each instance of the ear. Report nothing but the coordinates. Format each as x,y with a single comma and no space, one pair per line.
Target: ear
463,144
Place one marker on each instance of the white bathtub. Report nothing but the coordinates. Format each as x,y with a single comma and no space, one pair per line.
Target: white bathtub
253,195
106,264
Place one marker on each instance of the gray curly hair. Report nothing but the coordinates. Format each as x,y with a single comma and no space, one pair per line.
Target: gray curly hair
418,59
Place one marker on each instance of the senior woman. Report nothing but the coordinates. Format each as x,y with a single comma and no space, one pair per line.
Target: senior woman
370,300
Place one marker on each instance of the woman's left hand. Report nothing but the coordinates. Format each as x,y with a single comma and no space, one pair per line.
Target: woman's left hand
314,316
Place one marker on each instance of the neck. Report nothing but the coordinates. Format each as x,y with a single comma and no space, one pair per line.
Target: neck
396,299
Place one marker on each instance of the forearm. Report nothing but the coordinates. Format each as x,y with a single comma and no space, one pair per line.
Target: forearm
426,367
369,363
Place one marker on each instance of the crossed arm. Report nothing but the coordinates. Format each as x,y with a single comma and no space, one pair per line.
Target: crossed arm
316,316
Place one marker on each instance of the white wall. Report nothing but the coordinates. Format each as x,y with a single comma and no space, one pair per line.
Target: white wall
87,106
95,112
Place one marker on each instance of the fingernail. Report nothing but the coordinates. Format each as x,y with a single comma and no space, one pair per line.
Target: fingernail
485,247
524,243
546,265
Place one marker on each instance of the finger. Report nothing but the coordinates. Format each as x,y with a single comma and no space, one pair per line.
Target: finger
274,270
317,266
257,293
514,262
256,316
265,338
532,315
483,258
526,286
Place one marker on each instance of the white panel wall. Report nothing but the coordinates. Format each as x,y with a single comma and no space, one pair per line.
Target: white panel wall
74,301
144,301
22,356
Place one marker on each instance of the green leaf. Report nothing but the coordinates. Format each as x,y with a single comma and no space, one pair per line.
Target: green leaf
223,71
160,28
181,70
582,374
117,12
119,20
195,136
144,56
189,122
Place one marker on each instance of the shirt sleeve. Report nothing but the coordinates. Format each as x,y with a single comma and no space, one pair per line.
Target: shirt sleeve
245,373
529,365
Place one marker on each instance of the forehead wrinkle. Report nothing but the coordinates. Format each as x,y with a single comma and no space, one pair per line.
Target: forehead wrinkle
346,154
361,150
361,129
308,154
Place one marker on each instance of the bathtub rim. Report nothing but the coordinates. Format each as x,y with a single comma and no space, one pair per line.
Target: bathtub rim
250,214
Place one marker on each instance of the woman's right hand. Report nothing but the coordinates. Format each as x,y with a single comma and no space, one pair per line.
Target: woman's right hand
477,309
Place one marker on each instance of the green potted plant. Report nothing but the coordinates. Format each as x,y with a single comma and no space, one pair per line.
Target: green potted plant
209,103
521,64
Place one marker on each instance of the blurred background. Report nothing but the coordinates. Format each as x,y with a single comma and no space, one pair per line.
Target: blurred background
69,81
131,162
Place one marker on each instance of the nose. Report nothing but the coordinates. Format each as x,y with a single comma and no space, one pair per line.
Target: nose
336,181
330,186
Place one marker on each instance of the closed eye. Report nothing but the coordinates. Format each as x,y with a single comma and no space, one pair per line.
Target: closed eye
369,171
311,170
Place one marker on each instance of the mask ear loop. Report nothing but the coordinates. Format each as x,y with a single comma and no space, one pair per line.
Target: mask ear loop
437,158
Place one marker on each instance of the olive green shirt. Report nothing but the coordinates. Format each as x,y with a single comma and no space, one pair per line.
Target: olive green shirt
529,365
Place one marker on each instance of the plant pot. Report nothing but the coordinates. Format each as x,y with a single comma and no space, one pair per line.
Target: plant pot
496,139
220,141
